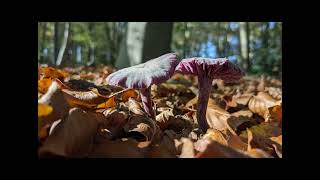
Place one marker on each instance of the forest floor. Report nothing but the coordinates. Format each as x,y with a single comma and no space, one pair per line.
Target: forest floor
80,115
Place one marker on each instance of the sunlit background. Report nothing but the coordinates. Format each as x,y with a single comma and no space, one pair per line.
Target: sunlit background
255,46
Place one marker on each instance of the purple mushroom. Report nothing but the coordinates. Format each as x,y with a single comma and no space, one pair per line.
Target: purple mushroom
208,69
142,76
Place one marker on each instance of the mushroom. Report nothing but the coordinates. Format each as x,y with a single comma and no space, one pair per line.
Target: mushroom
142,76
208,69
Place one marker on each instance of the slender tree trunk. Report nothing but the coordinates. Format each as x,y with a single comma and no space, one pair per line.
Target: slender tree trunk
91,44
43,41
56,42
64,44
265,37
244,45
185,39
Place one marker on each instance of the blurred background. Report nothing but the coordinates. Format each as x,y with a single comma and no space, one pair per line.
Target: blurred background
255,46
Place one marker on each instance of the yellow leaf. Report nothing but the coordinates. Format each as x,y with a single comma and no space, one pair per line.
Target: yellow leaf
50,72
44,110
127,94
109,103
43,85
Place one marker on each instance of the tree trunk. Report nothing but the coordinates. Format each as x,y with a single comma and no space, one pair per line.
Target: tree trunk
265,37
56,42
157,39
244,45
43,37
91,44
64,44
144,41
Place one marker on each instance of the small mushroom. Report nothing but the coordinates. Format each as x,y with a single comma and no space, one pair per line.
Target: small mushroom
142,76
208,69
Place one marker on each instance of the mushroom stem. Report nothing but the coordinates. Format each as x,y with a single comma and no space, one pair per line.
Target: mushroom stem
145,95
204,85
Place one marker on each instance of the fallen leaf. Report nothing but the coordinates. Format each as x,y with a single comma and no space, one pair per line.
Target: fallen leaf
245,113
54,98
113,123
142,127
160,151
187,148
43,85
44,110
131,93
108,104
135,107
121,148
73,137
238,124
275,92
88,99
216,117
212,149
259,104
50,72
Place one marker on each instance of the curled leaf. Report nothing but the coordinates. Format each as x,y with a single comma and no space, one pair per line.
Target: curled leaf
135,107
142,127
113,123
88,99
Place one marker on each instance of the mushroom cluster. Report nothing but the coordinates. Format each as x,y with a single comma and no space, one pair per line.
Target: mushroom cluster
160,69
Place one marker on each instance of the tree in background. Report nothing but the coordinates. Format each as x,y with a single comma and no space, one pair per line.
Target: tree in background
255,46
144,41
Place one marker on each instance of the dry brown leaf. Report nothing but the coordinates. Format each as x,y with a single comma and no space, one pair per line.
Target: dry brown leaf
238,124
216,117
277,139
113,123
262,84
88,99
131,93
73,137
212,149
121,148
258,153
215,135
275,92
111,102
43,85
44,110
275,114
160,151
256,141
243,99
264,129
187,148
135,107
245,113
54,98
142,126
259,104
50,72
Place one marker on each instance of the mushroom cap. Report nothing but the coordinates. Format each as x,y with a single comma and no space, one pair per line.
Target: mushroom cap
154,71
220,68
